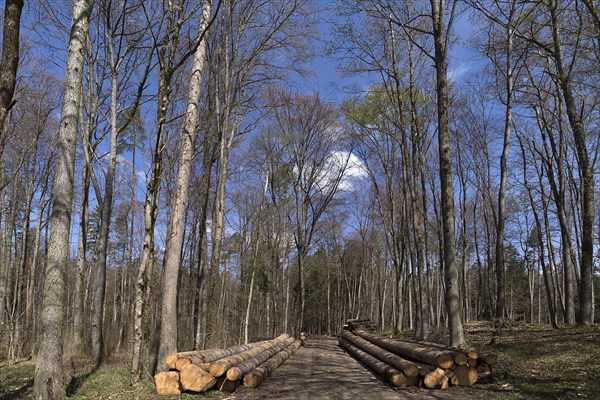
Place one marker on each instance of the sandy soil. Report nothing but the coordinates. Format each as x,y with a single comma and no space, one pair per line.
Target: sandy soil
322,370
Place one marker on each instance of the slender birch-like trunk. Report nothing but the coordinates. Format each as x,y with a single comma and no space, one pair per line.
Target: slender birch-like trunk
168,327
48,382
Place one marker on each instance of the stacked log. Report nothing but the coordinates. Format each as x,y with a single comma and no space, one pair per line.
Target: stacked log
260,373
427,364
222,369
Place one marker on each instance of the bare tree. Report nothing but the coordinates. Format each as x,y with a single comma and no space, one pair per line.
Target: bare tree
49,375
187,138
309,142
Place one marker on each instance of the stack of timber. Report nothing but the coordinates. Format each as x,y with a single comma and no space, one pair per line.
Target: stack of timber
413,363
224,369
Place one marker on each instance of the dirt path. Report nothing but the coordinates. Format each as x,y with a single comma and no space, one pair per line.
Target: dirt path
322,370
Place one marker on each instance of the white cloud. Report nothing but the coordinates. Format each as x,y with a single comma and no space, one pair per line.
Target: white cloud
454,74
354,170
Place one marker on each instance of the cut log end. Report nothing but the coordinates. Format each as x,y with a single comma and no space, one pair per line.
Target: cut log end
167,382
460,359
233,374
251,380
411,371
181,363
435,379
195,379
401,380
445,361
217,369
171,360
472,354
464,376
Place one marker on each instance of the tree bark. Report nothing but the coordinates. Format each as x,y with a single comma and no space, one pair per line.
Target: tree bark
390,374
441,39
48,382
168,327
407,367
221,366
500,268
238,372
585,169
9,61
260,373
428,355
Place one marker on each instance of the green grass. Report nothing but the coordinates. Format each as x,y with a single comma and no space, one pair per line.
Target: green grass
112,383
16,380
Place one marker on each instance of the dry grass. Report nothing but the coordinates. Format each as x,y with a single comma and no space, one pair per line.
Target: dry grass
535,362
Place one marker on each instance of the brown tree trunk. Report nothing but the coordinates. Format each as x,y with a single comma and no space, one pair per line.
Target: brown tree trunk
501,222
441,34
9,61
585,169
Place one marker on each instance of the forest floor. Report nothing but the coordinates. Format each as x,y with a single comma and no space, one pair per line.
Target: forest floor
535,362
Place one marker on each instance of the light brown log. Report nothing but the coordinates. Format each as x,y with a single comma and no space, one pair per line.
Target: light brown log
409,368
435,379
183,362
170,360
204,356
472,362
167,382
260,373
219,367
403,381
391,374
238,372
415,351
226,385
196,379
464,376
488,358
459,355
445,383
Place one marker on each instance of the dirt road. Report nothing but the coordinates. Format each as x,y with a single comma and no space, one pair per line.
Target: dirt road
322,370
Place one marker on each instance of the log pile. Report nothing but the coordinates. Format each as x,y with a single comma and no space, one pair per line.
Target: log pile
224,369
413,363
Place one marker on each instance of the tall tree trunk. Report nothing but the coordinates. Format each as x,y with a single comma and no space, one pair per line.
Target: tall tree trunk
105,217
585,169
168,327
48,382
201,283
441,34
9,61
500,267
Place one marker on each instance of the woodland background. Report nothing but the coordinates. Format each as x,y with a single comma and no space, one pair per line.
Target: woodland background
206,198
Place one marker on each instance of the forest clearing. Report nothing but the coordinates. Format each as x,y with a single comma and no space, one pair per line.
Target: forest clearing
535,362
188,185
